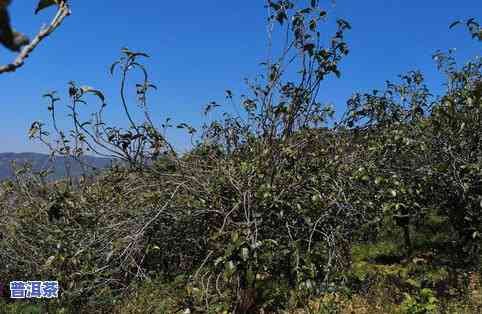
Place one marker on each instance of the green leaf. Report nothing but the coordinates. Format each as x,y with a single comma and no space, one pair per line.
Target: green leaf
275,6
45,4
133,54
113,66
49,261
454,24
88,89
313,25
244,254
281,17
33,130
413,282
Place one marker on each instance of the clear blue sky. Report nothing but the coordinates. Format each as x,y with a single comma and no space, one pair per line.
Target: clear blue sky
201,48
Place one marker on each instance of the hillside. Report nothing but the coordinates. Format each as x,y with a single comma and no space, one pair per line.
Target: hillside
41,162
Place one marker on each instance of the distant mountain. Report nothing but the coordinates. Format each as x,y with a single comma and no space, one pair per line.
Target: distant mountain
41,162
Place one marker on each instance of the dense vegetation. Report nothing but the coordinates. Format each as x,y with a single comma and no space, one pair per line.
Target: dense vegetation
274,210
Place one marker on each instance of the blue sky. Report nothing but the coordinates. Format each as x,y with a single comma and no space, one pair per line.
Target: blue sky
201,48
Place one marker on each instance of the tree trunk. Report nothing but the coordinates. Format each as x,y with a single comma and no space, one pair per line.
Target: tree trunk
408,241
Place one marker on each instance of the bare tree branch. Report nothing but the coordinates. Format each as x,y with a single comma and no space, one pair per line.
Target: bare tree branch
62,13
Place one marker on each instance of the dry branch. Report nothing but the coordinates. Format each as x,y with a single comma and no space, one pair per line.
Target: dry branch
62,13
